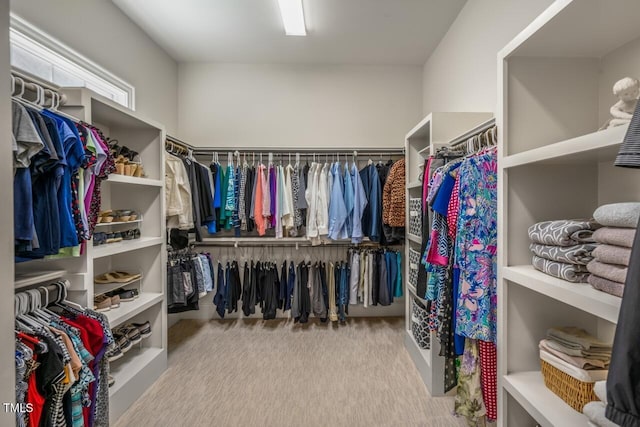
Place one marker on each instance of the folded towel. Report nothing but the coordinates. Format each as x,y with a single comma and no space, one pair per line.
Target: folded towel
615,273
618,214
607,286
603,355
577,361
600,389
570,272
577,254
615,236
610,254
564,232
577,373
577,337
595,412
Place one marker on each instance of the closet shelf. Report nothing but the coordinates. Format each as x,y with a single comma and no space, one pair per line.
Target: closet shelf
128,309
414,238
414,184
528,389
24,280
592,147
130,365
414,292
424,356
125,246
579,295
124,179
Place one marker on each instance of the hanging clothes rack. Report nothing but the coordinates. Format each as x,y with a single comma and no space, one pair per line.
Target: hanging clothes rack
482,127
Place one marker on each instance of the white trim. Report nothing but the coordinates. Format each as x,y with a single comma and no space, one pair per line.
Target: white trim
23,34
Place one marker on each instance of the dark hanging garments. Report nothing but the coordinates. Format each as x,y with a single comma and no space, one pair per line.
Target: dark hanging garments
291,281
234,287
246,291
183,276
372,213
623,381
282,293
325,293
250,179
269,285
343,291
384,296
219,299
303,308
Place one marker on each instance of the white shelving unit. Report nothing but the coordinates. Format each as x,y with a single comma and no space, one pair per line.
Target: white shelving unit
555,81
434,131
141,366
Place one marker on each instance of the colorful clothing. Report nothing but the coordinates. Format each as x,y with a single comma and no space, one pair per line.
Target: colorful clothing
469,403
476,246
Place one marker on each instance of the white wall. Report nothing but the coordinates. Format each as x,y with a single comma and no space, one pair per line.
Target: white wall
461,74
292,105
101,32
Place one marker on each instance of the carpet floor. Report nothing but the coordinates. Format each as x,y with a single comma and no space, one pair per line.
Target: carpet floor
252,373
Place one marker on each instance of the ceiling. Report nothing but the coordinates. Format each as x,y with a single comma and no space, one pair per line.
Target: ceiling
338,31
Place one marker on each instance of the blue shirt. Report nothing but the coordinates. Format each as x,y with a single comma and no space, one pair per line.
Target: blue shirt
337,209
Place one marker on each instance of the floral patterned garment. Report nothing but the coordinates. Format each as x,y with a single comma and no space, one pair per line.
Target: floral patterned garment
475,248
469,403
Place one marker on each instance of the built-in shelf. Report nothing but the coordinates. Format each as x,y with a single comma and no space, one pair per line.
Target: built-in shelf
128,309
592,147
413,291
425,355
125,369
103,288
414,238
31,278
579,295
426,151
528,389
105,224
414,184
109,249
125,179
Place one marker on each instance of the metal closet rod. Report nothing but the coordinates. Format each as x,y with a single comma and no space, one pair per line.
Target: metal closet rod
473,132
306,151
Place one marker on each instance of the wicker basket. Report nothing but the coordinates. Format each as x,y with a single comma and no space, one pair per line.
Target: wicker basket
574,392
415,216
414,264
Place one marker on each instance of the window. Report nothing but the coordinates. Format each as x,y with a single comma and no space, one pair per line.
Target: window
37,53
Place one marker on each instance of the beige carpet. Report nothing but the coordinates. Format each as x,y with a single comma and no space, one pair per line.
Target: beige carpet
254,373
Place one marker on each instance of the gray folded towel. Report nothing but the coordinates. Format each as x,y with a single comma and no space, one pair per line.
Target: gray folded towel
604,285
615,273
564,232
595,412
603,355
577,254
610,254
570,272
577,361
577,337
618,214
615,236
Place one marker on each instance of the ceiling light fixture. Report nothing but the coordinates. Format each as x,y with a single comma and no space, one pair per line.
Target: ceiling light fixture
292,17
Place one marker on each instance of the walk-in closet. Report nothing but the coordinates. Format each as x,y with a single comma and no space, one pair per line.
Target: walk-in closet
320,213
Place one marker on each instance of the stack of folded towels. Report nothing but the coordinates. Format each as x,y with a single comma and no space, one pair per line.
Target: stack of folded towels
574,347
595,411
611,258
563,248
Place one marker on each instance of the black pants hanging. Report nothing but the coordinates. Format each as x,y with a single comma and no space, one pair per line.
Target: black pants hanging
623,381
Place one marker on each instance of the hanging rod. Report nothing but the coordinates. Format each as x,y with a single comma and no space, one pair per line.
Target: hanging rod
180,142
279,242
32,82
461,139
395,151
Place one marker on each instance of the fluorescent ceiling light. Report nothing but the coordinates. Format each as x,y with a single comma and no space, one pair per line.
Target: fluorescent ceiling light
292,17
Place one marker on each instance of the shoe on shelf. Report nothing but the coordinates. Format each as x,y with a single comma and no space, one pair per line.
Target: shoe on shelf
122,342
102,303
116,277
115,353
131,332
114,237
112,381
99,239
115,301
125,295
143,328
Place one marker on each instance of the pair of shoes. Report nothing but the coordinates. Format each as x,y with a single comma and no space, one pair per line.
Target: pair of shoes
102,303
105,216
114,237
99,239
131,234
130,332
116,277
124,294
125,215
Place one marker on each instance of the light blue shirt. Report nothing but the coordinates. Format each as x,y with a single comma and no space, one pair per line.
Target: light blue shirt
337,208
359,203
348,201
